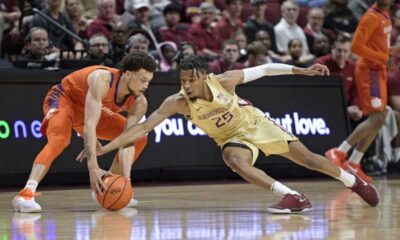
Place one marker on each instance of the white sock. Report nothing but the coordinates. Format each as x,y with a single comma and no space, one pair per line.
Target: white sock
356,156
280,189
347,179
32,185
344,147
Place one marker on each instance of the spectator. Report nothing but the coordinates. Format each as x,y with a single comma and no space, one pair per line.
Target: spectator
142,22
241,40
339,63
339,17
257,22
9,16
175,31
185,50
118,41
230,21
36,45
228,59
315,21
264,37
57,37
138,43
90,8
321,45
203,35
99,49
295,47
287,28
105,21
167,54
74,14
257,54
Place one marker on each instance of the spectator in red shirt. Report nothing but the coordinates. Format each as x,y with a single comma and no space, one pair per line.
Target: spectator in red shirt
207,39
105,21
230,21
339,63
175,31
228,60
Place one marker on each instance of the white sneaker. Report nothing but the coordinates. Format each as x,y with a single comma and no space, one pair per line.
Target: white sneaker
25,202
132,203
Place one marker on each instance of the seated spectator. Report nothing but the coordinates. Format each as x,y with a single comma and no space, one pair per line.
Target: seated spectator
57,37
241,40
295,47
185,50
167,53
315,21
12,42
142,22
105,21
74,14
175,31
257,22
264,37
207,39
338,17
137,43
118,41
228,59
230,21
99,49
321,45
288,29
257,54
339,63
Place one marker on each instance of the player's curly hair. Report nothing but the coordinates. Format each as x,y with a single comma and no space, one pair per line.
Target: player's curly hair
138,60
194,62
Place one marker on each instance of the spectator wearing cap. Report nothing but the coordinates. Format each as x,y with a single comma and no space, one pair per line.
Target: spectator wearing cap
230,21
142,22
228,59
288,29
105,20
175,31
257,22
207,39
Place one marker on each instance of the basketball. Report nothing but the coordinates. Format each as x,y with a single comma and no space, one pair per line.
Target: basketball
118,193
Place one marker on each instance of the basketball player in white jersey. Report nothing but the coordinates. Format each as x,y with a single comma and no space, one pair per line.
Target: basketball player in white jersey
210,102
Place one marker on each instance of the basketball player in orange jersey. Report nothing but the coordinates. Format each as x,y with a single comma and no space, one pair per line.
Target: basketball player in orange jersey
210,102
371,42
89,101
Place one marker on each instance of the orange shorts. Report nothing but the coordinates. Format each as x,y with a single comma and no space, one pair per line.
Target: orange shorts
371,88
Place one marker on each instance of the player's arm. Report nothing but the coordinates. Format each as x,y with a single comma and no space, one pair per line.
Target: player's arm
98,81
135,113
170,106
364,32
232,78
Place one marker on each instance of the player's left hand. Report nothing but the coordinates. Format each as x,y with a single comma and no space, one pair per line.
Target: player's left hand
82,155
317,69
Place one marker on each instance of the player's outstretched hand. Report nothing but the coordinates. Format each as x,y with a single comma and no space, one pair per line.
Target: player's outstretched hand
82,155
96,182
317,69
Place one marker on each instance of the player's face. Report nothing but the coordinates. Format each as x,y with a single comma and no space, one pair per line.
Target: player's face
138,81
192,82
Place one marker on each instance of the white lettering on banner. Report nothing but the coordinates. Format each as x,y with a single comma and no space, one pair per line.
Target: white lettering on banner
293,123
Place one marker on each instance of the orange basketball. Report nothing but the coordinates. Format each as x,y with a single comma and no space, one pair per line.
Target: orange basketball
118,194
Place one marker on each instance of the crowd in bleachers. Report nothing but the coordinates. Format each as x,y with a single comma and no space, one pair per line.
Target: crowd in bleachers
230,34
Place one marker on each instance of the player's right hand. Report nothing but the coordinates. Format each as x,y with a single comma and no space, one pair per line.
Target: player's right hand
96,182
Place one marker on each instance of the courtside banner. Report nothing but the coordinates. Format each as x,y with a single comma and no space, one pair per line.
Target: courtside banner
312,108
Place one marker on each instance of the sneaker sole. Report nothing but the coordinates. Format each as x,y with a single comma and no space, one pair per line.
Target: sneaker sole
286,211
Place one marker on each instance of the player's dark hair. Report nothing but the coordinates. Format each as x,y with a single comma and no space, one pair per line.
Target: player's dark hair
138,60
192,63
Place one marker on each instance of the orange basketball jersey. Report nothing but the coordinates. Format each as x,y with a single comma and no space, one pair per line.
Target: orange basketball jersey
372,38
74,87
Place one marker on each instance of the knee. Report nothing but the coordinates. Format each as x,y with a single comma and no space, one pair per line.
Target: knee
60,142
378,119
234,161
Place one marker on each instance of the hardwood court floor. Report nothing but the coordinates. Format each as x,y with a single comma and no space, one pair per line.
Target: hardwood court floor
208,211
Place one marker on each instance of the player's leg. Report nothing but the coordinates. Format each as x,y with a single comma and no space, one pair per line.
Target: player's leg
241,157
301,155
58,133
